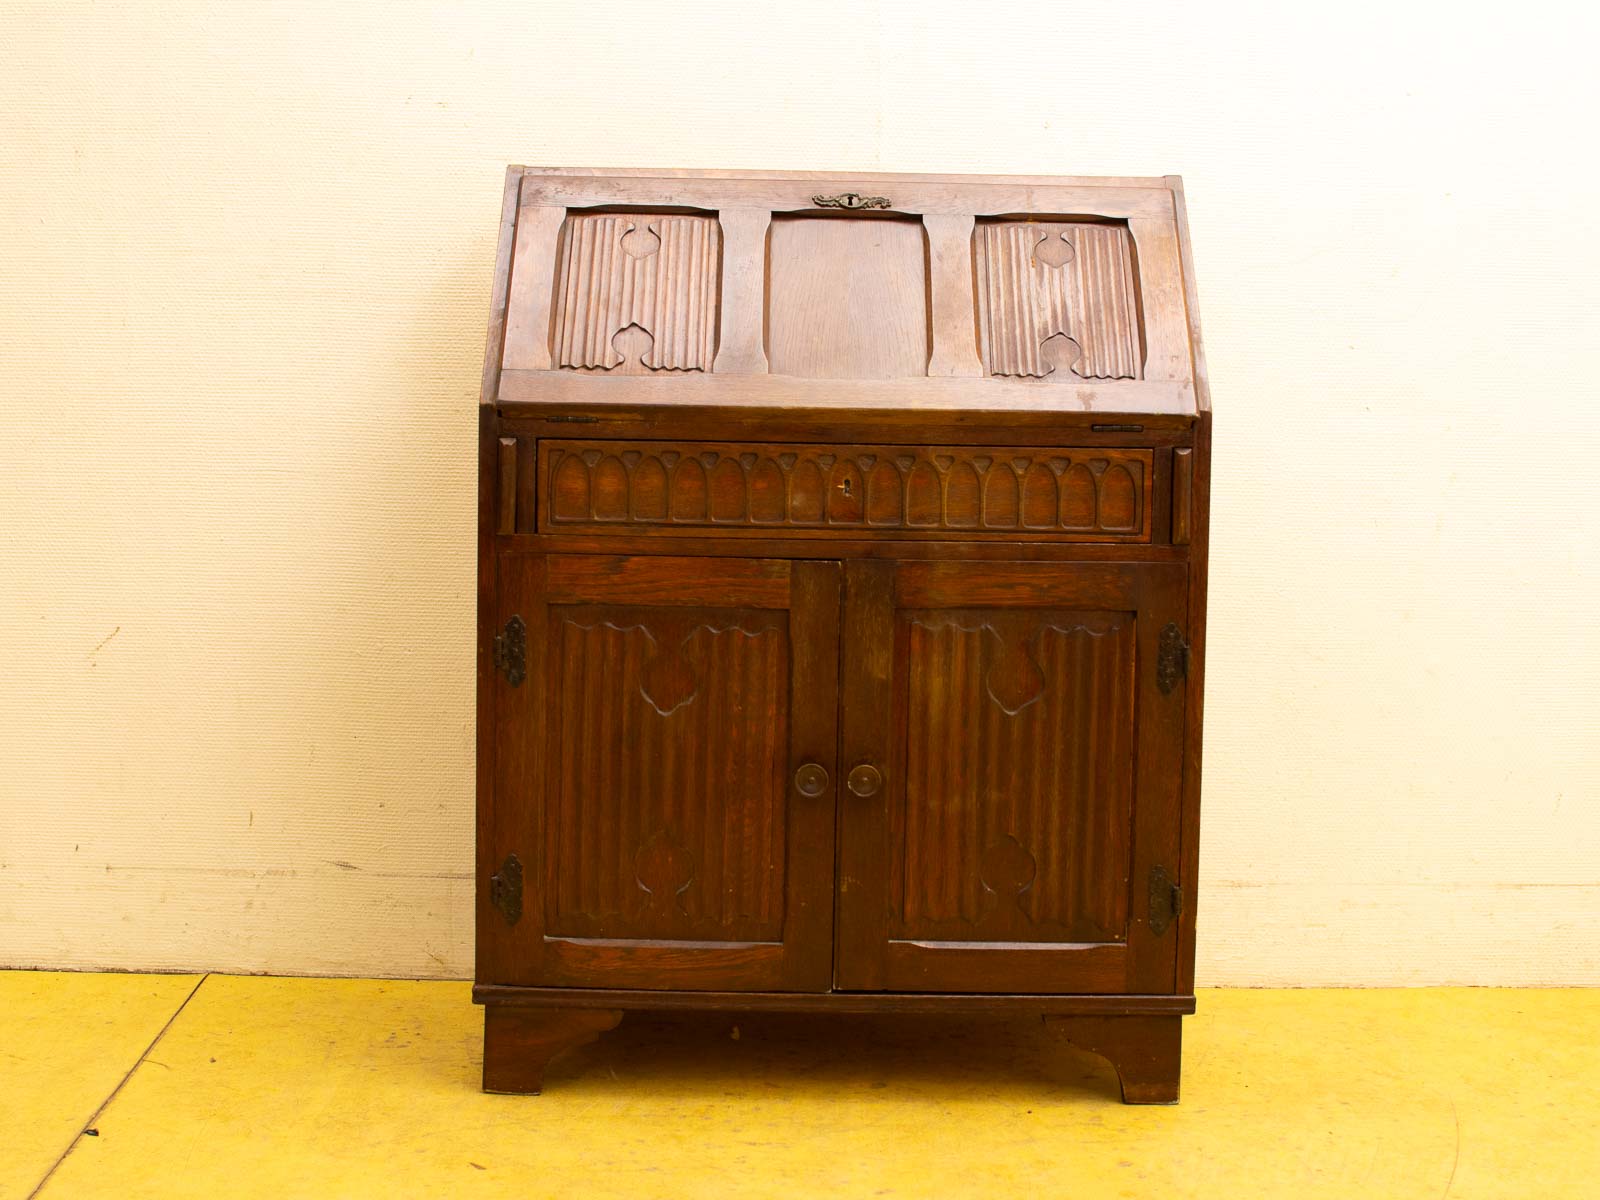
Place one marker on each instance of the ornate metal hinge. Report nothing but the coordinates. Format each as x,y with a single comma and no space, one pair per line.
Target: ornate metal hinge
1172,658
511,651
850,200
505,889
1166,900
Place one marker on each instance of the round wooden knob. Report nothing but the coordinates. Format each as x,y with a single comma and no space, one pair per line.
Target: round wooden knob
865,780
811,779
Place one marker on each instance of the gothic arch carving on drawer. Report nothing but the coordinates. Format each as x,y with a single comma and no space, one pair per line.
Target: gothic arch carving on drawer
1097,494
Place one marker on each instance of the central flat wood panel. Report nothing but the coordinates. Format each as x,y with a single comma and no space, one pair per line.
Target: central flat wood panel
847,298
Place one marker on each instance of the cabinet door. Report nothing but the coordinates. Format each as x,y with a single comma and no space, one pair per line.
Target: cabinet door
665,774
1012,758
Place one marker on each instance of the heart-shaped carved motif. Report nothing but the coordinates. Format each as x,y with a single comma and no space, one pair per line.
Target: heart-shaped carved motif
633,344
1059,352
1014,680
1006,868
668,681
663,870
640,243
1054,251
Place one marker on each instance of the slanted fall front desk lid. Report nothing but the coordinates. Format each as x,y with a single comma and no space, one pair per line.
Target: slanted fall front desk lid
852,291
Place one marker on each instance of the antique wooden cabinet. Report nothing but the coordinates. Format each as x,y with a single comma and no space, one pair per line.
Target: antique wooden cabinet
842,599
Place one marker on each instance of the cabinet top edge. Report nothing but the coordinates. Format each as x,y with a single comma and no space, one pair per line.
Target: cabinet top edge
1165,183
927,397
892,425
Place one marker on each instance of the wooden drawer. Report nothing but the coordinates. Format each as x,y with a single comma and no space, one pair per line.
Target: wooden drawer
1066,493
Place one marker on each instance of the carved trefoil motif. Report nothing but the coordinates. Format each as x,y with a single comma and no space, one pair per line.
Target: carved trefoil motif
637,293
1057,298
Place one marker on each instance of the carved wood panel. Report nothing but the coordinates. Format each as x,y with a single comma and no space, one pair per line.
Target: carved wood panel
1016,809
1082,494
637,293
1029,776
1057,298
668,744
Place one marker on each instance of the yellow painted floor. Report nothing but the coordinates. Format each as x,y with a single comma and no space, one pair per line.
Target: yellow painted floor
242,1087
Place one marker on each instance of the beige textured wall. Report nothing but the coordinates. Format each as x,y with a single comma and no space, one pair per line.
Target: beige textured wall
245,259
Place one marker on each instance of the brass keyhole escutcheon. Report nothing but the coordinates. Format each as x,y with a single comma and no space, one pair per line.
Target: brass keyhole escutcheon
811,779
865,780
850,200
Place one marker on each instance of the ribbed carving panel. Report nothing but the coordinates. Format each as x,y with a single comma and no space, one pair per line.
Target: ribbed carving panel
668,740
637,292
1089,494
1057,297
1018,776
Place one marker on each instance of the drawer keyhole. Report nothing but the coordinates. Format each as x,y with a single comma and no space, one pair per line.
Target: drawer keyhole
844,486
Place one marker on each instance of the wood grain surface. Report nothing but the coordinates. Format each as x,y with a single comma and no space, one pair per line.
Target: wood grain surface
856,528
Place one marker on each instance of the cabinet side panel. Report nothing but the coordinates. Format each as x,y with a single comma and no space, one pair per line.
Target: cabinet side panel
1194,709
488,468
510,945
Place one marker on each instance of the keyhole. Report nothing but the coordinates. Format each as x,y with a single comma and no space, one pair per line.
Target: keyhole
844,487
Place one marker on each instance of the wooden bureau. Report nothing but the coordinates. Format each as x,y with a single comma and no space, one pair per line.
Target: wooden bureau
842,566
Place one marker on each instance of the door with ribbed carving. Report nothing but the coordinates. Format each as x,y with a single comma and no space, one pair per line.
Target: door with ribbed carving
665,774
1011,740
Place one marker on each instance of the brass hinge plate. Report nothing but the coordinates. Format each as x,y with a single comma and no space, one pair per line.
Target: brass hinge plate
505,889
1166,900
511,651
1172,658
